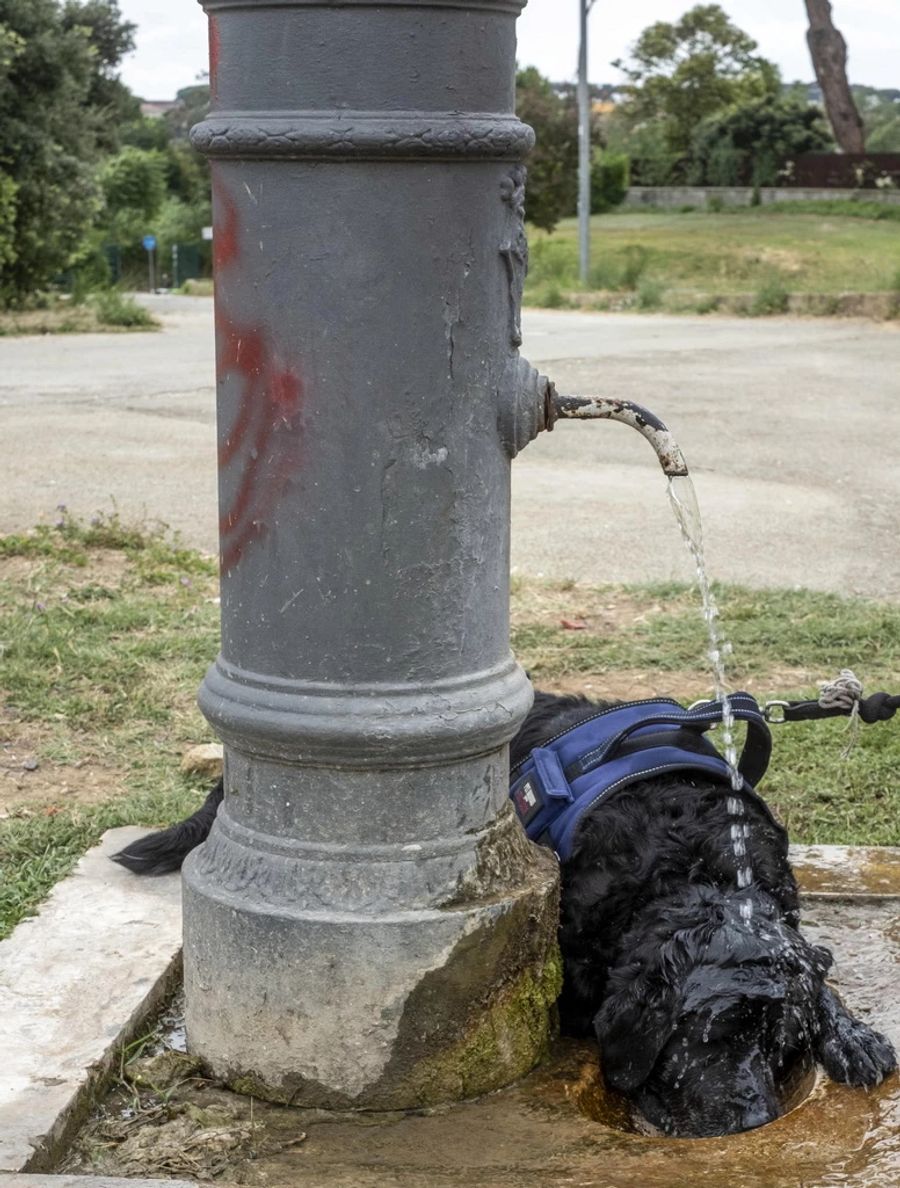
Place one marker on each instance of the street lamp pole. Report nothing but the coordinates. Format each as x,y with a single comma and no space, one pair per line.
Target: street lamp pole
584,147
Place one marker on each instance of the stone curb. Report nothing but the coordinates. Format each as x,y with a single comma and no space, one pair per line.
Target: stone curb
77,982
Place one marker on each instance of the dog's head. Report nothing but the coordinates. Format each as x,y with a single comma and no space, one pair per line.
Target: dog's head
714,1016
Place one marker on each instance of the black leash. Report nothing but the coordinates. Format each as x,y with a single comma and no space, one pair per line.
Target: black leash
878,707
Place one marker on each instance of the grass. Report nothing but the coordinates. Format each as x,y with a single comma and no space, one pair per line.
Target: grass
115,309
106,310
200,287
696,257
106,630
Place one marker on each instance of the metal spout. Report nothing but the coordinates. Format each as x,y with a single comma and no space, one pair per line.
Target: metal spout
584,408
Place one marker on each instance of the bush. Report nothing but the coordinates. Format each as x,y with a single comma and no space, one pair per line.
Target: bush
747,143
650,293
707,305
636,260
605,273
553,260
771,297
113,309
609,180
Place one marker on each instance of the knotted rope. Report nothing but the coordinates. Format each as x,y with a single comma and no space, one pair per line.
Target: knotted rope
844,694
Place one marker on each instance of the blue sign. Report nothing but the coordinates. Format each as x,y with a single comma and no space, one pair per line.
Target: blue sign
149,242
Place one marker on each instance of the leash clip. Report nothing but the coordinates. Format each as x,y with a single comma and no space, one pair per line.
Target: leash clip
771,712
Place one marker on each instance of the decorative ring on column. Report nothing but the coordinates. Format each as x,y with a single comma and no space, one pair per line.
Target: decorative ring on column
367,136
514,7
366,726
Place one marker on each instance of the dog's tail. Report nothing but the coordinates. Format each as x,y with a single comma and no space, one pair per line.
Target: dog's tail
160,853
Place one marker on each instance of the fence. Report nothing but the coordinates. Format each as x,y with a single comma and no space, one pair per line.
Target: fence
846,170
182,262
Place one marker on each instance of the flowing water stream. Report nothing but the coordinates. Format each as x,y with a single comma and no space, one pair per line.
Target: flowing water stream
683,499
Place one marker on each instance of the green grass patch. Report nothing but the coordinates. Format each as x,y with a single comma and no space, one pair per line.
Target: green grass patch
784,642
705,255
105,310
106,630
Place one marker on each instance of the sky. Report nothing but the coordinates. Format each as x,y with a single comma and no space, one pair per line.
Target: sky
172,46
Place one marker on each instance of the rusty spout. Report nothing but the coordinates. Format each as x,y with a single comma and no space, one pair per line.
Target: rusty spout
585,408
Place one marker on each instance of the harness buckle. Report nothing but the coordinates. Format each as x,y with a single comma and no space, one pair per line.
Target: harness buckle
771,712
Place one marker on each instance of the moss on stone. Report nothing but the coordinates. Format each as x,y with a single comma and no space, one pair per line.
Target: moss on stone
513,1032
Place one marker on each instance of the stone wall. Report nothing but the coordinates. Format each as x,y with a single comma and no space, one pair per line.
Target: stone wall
673,197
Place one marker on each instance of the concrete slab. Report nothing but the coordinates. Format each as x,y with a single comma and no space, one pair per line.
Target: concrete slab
75,983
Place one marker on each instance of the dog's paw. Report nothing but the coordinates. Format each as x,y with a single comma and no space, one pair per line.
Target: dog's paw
855,1054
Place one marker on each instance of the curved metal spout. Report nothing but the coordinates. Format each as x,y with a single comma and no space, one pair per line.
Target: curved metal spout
582,408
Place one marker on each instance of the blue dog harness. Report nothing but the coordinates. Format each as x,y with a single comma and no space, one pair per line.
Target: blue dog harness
560,781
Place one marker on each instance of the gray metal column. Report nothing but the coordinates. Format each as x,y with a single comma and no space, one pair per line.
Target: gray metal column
366,925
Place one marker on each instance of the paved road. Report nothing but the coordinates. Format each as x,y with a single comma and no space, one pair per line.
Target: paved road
791,429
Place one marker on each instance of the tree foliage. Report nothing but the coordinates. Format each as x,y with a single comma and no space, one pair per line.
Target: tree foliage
683,71
750,143
109,104
134,180
553,165
54,62
609,180
880,110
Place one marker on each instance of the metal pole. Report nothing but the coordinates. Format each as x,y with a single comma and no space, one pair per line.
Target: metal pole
150,262
366,926
584,147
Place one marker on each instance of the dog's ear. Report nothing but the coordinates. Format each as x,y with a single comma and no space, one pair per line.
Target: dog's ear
632,1028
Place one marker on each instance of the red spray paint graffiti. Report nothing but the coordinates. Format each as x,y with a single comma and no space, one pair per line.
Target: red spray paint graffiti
262,443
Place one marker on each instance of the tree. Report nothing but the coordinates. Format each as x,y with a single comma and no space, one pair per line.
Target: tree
109,102
750,143
829,55
684,71
49,142
553,165
134,182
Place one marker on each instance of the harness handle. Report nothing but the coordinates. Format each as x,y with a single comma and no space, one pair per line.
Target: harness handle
744,707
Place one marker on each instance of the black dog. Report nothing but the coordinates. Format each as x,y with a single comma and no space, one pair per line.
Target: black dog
703,995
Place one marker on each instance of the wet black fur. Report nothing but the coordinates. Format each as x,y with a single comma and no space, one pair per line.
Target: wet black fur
702,1016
